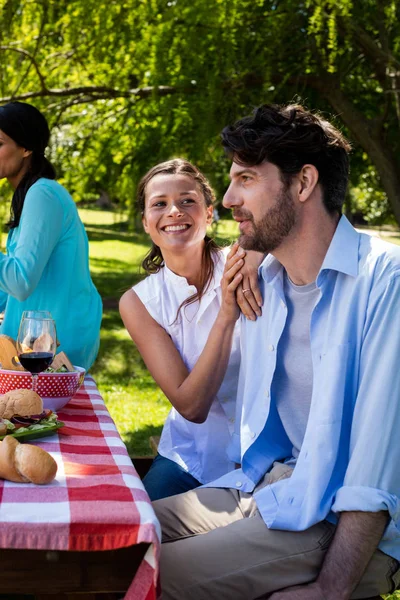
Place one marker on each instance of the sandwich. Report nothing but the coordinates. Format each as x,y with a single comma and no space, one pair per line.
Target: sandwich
22,414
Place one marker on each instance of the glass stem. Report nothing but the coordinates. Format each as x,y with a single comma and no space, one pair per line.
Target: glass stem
34,381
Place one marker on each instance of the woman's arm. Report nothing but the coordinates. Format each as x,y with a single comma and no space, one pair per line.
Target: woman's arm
40,229
191,393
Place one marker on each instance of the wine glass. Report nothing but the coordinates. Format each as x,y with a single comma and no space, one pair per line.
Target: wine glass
36,342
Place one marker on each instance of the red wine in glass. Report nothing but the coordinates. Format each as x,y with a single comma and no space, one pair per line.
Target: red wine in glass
36,362
36,343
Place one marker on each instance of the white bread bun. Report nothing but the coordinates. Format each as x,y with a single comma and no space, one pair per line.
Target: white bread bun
24,463
8,354
20,402
35,464
7,466
44,343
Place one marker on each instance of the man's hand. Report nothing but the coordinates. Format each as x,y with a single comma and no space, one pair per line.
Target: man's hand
310,591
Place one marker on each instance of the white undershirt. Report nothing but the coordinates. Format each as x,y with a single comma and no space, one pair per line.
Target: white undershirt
292,381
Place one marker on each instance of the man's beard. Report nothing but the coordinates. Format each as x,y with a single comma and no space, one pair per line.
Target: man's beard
273,228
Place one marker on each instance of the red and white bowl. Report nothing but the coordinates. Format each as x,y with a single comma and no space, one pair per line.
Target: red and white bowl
55,389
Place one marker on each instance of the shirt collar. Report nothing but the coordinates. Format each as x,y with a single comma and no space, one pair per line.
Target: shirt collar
342,254
180,281
173,278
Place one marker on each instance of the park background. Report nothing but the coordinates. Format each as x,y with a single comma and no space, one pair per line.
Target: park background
128,83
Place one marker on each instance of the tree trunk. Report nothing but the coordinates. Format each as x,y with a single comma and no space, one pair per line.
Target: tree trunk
362,131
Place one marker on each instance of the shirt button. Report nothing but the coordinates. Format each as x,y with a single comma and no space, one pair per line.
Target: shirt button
266,393
231,420
252,435
239,484
283,304
290,500
271,347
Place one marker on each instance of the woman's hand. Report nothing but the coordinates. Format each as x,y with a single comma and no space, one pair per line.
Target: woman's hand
248,293
230,281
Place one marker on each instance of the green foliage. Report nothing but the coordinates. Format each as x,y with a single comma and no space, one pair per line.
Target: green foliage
96,68
369,200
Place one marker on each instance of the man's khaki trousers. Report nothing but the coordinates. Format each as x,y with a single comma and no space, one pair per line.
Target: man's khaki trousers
216,546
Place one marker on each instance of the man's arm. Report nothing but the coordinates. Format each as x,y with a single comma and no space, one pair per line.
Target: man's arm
356,538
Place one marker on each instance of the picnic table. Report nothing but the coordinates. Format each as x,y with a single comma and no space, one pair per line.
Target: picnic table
92,529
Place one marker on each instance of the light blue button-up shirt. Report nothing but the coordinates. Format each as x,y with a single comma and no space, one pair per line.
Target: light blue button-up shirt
350,457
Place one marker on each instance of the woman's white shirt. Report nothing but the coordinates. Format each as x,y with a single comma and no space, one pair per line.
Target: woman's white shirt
200,449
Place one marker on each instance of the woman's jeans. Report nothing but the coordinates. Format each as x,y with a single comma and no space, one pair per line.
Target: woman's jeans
166,478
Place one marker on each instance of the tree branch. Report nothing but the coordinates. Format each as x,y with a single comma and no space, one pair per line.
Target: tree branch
101,92
370,47
33,61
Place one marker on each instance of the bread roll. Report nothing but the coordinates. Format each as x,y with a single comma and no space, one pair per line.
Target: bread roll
7,461
8,354
20,402
43,343
24,463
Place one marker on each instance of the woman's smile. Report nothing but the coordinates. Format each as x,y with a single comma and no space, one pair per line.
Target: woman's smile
176,228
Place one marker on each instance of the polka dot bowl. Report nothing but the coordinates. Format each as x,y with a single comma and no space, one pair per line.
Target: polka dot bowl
55,389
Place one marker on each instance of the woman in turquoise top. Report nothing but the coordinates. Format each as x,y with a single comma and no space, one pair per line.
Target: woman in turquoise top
46,266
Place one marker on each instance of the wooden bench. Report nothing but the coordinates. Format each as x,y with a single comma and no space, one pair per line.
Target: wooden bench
142,463
154,440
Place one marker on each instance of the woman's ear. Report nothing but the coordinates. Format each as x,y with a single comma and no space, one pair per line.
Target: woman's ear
27,153
144,223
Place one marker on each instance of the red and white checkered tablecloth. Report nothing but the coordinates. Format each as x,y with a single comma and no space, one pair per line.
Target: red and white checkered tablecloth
96,502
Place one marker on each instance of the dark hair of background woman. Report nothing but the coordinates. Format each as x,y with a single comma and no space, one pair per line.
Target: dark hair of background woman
154,261
26,125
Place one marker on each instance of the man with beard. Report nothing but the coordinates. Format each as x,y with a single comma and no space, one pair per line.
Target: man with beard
313,513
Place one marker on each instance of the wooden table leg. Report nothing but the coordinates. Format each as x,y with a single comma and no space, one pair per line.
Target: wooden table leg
68,575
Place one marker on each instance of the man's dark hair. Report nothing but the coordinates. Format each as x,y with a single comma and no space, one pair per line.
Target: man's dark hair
290,137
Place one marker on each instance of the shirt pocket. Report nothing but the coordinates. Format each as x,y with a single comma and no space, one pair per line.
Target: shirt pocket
330,382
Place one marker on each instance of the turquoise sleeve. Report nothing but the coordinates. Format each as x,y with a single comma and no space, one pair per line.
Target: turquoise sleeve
3,300
40,229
